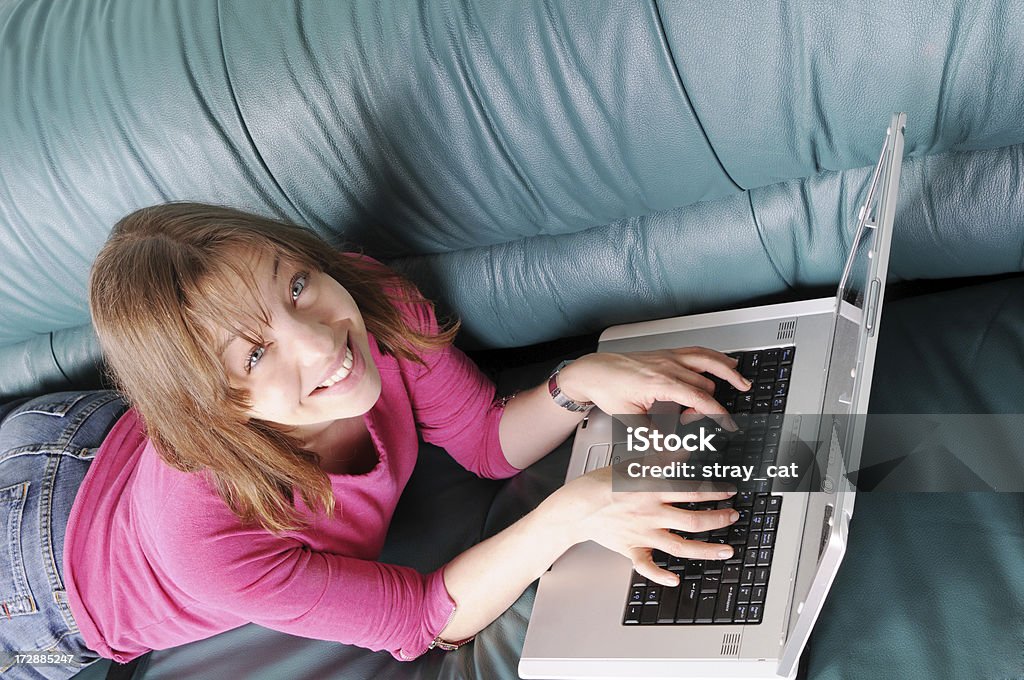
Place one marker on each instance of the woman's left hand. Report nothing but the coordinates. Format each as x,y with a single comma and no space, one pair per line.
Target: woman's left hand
630,383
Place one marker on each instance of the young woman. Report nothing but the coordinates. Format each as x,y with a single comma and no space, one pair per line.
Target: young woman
276,390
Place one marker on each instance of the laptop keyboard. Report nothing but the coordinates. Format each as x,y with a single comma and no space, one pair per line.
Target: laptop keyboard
733,590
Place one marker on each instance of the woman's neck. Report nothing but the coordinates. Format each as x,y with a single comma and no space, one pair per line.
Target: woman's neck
344,447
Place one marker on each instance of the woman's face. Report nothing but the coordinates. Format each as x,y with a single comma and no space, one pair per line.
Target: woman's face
314,366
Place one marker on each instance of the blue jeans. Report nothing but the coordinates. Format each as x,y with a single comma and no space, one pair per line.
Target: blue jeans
46,447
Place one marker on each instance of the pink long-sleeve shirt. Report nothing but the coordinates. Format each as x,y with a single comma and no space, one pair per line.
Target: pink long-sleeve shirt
154,558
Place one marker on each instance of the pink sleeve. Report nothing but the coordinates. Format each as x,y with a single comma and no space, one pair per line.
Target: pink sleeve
453,403
279,583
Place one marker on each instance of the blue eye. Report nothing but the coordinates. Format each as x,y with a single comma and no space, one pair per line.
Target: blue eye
298,285
254,356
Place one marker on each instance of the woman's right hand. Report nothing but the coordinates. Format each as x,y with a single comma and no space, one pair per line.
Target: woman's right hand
635,523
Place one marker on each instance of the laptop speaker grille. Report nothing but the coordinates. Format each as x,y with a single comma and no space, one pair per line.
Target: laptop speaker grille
787,329
731,644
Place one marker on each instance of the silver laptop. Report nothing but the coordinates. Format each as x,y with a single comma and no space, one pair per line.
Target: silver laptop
812,362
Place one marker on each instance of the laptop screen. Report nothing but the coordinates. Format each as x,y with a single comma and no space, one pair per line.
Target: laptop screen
847,385
857,303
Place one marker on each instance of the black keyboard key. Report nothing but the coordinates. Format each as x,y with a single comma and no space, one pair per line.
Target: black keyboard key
760,505
786,355
677,563
744,402
775,421
754,613
768,539
660,558
767,373
758,423
710,583
726,603
731,573
738,536
668,604
637,580
777,405
783,373
745,593
689,595
750,558
771,357
713,567
636,595
781,388
743,500
649,614
737,555
762,406
754,540
761,576
770,522
747,577
652,594
757,593
694,569
633,613
706,608
774,503
741,613
764,557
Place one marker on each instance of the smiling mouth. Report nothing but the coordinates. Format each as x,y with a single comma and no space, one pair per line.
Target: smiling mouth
343,371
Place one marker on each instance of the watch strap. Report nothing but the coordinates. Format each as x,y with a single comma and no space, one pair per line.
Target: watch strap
560,397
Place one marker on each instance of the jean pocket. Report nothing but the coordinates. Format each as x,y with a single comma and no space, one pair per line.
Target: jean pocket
14,591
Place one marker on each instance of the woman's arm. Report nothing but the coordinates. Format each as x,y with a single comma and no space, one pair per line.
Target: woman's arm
486,579
533,424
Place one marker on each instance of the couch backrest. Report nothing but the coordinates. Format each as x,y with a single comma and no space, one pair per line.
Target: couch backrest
465,134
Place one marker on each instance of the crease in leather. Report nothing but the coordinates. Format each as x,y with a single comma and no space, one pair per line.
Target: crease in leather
667,46
764,242
241,118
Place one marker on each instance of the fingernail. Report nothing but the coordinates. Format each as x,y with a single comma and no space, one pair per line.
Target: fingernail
733,516
725,552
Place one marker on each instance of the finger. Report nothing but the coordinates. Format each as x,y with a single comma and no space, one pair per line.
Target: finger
698,550
709,361
699,400
696,379
644,565
690,415
696,521
698,492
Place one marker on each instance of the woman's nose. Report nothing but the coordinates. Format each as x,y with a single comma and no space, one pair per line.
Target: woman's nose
313,342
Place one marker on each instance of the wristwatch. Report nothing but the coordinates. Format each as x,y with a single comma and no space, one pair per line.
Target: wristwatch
560,398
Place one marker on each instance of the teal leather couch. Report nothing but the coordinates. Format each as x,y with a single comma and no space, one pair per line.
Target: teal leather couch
545,169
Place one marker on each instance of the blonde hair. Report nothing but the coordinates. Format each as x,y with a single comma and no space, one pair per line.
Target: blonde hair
162,290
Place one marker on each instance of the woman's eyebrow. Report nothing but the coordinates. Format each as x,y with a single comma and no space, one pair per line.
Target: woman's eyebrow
222,347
